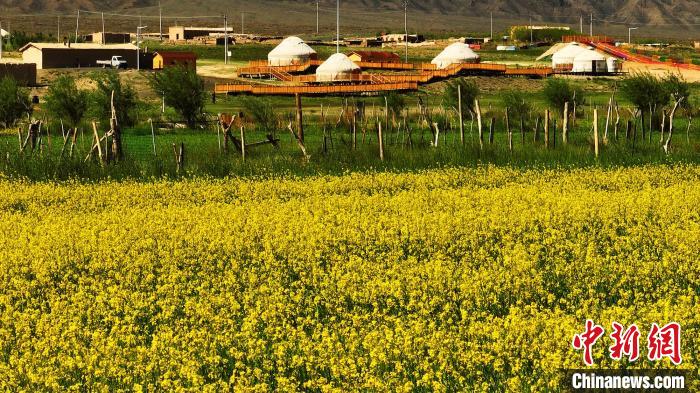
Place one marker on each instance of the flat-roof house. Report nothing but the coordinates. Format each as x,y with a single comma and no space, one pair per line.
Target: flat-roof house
181,33
67,55
374,57
162,60
108,38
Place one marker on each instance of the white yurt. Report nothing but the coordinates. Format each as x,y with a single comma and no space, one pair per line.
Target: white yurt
613,65
4,33
456,53
590,61
564,58
292,50
338,67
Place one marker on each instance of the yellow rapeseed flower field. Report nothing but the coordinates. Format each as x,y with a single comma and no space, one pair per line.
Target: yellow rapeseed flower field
444,280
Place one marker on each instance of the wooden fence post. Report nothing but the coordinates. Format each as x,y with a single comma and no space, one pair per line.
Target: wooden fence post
153,137
565,125
243,143
381,141
510,133
595,133
546,129
300,118
461,119
479,124
491,130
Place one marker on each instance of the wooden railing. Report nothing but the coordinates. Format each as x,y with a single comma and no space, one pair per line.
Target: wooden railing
313,89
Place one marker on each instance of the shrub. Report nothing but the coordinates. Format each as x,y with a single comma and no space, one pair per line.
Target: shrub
470,92
517,103
125,99
645,91
65,101
262,111
558,92
14,102
183,90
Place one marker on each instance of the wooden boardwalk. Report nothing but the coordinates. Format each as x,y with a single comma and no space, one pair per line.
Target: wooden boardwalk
229,88
364,83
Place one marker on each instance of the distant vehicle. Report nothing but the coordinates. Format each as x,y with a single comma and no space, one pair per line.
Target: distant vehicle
115,62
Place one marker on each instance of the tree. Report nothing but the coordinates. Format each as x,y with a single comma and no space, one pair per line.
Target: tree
125,99
558,92
678,88
183,90
65,101
14,102
469,89
517,102
262,111
646,92
396,103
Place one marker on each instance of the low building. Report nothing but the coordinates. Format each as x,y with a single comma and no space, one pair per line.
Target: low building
162,60
67,55
398,38
4,33
374,57
181,33
696,44
108,38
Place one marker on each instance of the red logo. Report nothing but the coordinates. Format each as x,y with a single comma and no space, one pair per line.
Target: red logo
587,339
663,342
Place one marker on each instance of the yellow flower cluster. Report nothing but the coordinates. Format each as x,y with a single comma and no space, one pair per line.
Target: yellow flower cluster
444,280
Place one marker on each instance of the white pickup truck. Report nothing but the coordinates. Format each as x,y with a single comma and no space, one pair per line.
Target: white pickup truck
116,62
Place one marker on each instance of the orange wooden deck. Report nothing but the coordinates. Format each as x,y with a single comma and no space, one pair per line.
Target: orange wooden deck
313,89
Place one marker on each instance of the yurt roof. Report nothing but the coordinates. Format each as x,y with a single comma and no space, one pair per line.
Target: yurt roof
590,55
569,51
292,46
338,62
457,50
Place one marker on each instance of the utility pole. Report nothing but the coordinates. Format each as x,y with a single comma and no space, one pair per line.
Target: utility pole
492,26
77,25
337,26
591,25
160,21
225,39
1,41
317,5
103,29
581,21
58,29
629,31
242,22
405,25
138,46
531,28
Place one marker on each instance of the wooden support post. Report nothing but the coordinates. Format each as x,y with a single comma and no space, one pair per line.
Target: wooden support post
492,130
629,129
479,124
381,142
300,143
461,118
554,133
607,120
565,125
595,133
97,141
243,143
437,134
354,129
546,129
510,133
153,138
300,118
667,145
